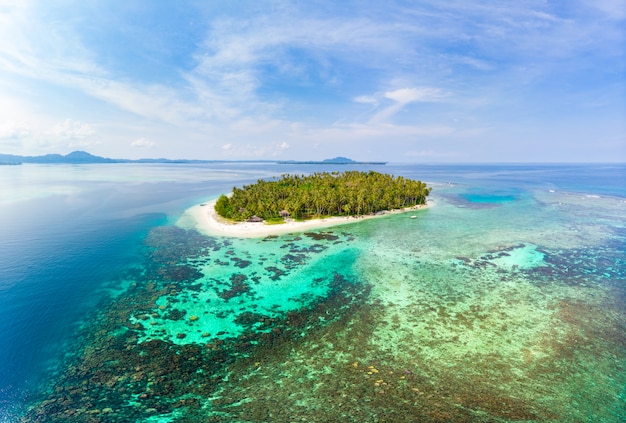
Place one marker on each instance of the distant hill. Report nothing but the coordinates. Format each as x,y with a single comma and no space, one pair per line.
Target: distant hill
75,157
339,160
83,157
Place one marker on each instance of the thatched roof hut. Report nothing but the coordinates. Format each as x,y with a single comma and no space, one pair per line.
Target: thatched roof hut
283,213
255,219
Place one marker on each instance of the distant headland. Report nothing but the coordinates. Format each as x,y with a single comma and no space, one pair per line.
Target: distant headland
83,157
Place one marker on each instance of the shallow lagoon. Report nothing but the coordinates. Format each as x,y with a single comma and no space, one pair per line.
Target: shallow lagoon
504,301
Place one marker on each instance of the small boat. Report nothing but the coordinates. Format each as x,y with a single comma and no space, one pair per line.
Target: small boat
413,217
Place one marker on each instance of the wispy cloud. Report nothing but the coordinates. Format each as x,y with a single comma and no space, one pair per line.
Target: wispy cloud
611,9
298,71
255,150
142,143
403,97
11,129
71,129
23,137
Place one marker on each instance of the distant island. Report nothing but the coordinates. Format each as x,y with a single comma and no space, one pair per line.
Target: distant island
74,157
83,157
336,160
321,195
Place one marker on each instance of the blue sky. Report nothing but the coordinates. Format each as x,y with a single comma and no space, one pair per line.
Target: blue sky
401,81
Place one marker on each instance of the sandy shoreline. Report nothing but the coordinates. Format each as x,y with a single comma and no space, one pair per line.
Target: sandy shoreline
205,220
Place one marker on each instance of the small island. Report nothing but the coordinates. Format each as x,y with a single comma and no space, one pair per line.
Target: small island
300,203
336,161
321,195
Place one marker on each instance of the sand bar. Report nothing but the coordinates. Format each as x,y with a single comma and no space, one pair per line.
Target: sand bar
205,219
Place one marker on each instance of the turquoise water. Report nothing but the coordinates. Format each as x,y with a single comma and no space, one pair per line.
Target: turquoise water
503,301
476,196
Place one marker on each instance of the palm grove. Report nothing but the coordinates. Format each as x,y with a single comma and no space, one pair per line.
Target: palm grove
322,194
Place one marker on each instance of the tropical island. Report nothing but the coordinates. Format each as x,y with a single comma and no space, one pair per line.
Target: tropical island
321,195
295,203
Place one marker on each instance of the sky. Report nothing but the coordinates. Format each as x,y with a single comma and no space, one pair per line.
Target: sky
401,81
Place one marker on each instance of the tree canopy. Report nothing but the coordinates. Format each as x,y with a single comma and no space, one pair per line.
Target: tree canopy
322,194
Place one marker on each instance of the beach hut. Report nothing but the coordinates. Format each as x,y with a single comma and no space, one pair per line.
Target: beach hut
255,219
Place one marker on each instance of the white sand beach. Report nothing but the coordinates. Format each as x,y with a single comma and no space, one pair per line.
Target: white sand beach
205,219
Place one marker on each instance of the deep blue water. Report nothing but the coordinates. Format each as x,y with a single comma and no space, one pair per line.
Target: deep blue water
67,231
49,281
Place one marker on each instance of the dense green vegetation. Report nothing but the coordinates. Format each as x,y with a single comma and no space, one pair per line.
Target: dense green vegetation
322,194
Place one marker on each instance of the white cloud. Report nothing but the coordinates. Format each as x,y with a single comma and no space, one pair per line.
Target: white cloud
401,97
142,143
366,99
36,46
255,150
409,95
371,131
613,9
154,102
241,56
233,86
72,129
14,130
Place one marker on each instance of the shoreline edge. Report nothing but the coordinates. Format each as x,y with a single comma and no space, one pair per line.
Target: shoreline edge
204,219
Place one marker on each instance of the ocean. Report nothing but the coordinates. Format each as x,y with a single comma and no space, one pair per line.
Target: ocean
505,300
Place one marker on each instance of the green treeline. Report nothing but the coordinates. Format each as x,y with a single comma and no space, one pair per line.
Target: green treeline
322,194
